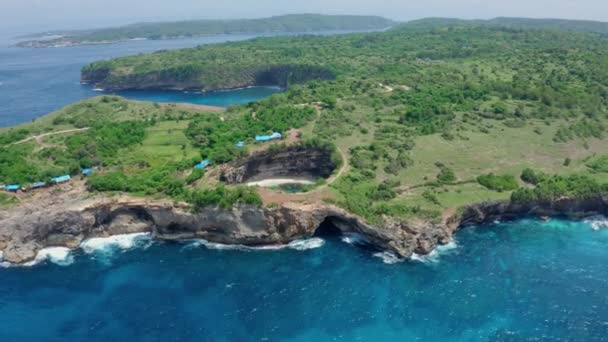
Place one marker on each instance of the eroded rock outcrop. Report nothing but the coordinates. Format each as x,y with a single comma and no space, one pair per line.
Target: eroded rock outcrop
24,233
22,237
571,208
197,79
292,162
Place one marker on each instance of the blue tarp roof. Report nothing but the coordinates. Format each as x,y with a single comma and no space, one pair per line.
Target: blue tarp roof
87,171
38,185
273,136
202,164
12,187
240,144
61,179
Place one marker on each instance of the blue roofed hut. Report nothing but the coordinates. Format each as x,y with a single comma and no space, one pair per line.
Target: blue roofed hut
86,172
38,185
273,136
61,179
202,164
12,187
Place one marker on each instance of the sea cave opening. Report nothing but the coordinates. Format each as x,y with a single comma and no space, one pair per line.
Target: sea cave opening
328,228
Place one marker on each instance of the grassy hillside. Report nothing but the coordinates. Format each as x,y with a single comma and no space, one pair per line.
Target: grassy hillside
296,23
428,120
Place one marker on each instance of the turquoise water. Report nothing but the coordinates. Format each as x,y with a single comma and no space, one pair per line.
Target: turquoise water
216,98
525,280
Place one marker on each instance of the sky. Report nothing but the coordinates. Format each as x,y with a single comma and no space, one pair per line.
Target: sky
40,15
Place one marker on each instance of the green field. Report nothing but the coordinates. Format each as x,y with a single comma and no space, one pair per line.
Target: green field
429,119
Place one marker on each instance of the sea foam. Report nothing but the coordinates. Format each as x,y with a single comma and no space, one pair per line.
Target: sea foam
298,245
61,256
354,239
597,222
436,253
109,244
388,257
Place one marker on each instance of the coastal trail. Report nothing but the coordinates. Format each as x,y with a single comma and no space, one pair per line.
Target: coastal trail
39,137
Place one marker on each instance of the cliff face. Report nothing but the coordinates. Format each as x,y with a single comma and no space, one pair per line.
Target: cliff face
571,208
311,163
197,79
21,237
22,233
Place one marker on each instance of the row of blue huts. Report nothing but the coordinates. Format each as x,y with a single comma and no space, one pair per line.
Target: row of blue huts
259,138
39,185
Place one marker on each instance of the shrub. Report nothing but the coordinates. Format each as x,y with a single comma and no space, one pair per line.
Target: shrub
531,177
224,197
498,183
446,175
599,165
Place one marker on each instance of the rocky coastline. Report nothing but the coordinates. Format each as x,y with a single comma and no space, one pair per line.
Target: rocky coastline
280,75
23,234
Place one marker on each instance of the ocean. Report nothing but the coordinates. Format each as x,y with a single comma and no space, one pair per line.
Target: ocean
35,82
525,280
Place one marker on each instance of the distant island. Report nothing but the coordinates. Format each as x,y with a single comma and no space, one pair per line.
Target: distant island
293,23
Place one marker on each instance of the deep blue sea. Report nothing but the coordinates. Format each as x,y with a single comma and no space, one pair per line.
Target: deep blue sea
519,281
34,82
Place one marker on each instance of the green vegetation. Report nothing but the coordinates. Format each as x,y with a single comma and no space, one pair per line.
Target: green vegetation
217,137
599,165
426,119
585,26
552,187
498,183
167,30
225,197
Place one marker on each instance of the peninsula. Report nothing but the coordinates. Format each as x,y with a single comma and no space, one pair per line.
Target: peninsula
295,23
401,136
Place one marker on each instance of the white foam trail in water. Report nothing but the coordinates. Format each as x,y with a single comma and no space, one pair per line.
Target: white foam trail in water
108,244
299,245
98,89
353,239
61,256
388,257
436,253
302,245
597,222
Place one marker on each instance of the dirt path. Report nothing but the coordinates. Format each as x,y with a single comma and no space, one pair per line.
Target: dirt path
39,137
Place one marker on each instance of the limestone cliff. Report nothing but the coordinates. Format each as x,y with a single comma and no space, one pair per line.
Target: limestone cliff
26,230
202,79
292,162
22,236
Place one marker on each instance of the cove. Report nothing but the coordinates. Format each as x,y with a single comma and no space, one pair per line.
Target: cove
521,280
223,98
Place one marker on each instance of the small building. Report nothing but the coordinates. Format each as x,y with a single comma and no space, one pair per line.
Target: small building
240,144
202,164
61,179
86,172
38,185
273,136
12,187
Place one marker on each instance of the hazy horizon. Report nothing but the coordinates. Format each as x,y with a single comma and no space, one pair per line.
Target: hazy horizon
39,15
